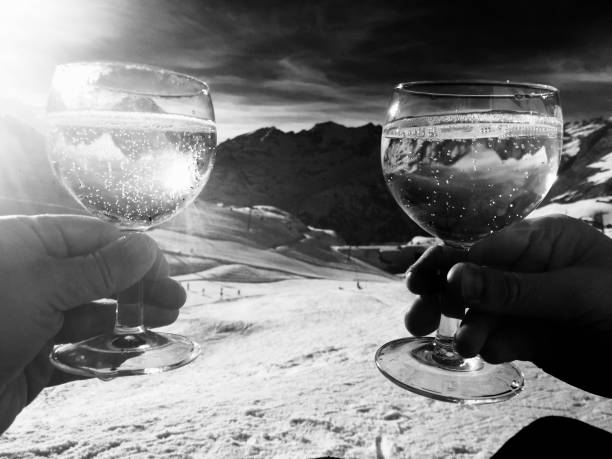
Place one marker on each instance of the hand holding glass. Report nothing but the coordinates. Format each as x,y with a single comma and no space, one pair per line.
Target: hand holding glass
134,144
464,159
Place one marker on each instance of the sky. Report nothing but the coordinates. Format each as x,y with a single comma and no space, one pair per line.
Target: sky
292,64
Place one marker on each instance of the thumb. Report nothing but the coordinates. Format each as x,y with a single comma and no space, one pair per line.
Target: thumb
553,294
103,273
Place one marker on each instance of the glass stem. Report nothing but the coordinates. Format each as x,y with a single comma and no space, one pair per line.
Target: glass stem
129,318
444,343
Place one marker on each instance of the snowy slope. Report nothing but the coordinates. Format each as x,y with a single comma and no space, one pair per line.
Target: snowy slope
286,372
584,186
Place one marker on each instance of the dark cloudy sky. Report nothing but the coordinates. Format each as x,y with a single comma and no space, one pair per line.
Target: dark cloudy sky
293,64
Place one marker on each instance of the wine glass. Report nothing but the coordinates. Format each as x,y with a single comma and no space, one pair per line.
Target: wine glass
134,144
464,159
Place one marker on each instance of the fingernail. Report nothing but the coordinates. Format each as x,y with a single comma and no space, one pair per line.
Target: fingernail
472,283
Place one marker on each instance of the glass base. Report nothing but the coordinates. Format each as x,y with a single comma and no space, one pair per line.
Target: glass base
412,364
110,355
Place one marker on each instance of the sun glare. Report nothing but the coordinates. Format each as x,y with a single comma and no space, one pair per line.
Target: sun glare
20,18
179,175
35,35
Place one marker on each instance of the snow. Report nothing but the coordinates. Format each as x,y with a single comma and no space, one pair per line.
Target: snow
582,129
571,148
286,371
575,132
605,164
584,209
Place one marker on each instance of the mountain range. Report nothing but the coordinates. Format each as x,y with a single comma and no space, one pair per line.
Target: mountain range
326,177
330,177
585,163
583,188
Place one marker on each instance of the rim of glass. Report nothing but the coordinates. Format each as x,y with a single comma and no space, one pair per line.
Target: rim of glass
140,66
412,87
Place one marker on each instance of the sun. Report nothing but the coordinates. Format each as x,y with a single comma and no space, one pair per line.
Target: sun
36,35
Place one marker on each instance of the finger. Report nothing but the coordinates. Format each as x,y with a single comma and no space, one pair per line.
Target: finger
473,332
504,247
99,317
159,270
38,372
159,317
71,235
402,258
165,293
428,274
552,294
73,281
518,341
451,306
423,316
532,245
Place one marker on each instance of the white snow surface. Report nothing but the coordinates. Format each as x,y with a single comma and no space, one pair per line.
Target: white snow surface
605,166
584,209
286,371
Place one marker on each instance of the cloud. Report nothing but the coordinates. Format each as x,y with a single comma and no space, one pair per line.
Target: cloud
276,62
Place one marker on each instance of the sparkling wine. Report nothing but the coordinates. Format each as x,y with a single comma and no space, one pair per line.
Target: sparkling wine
133,169
461,177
